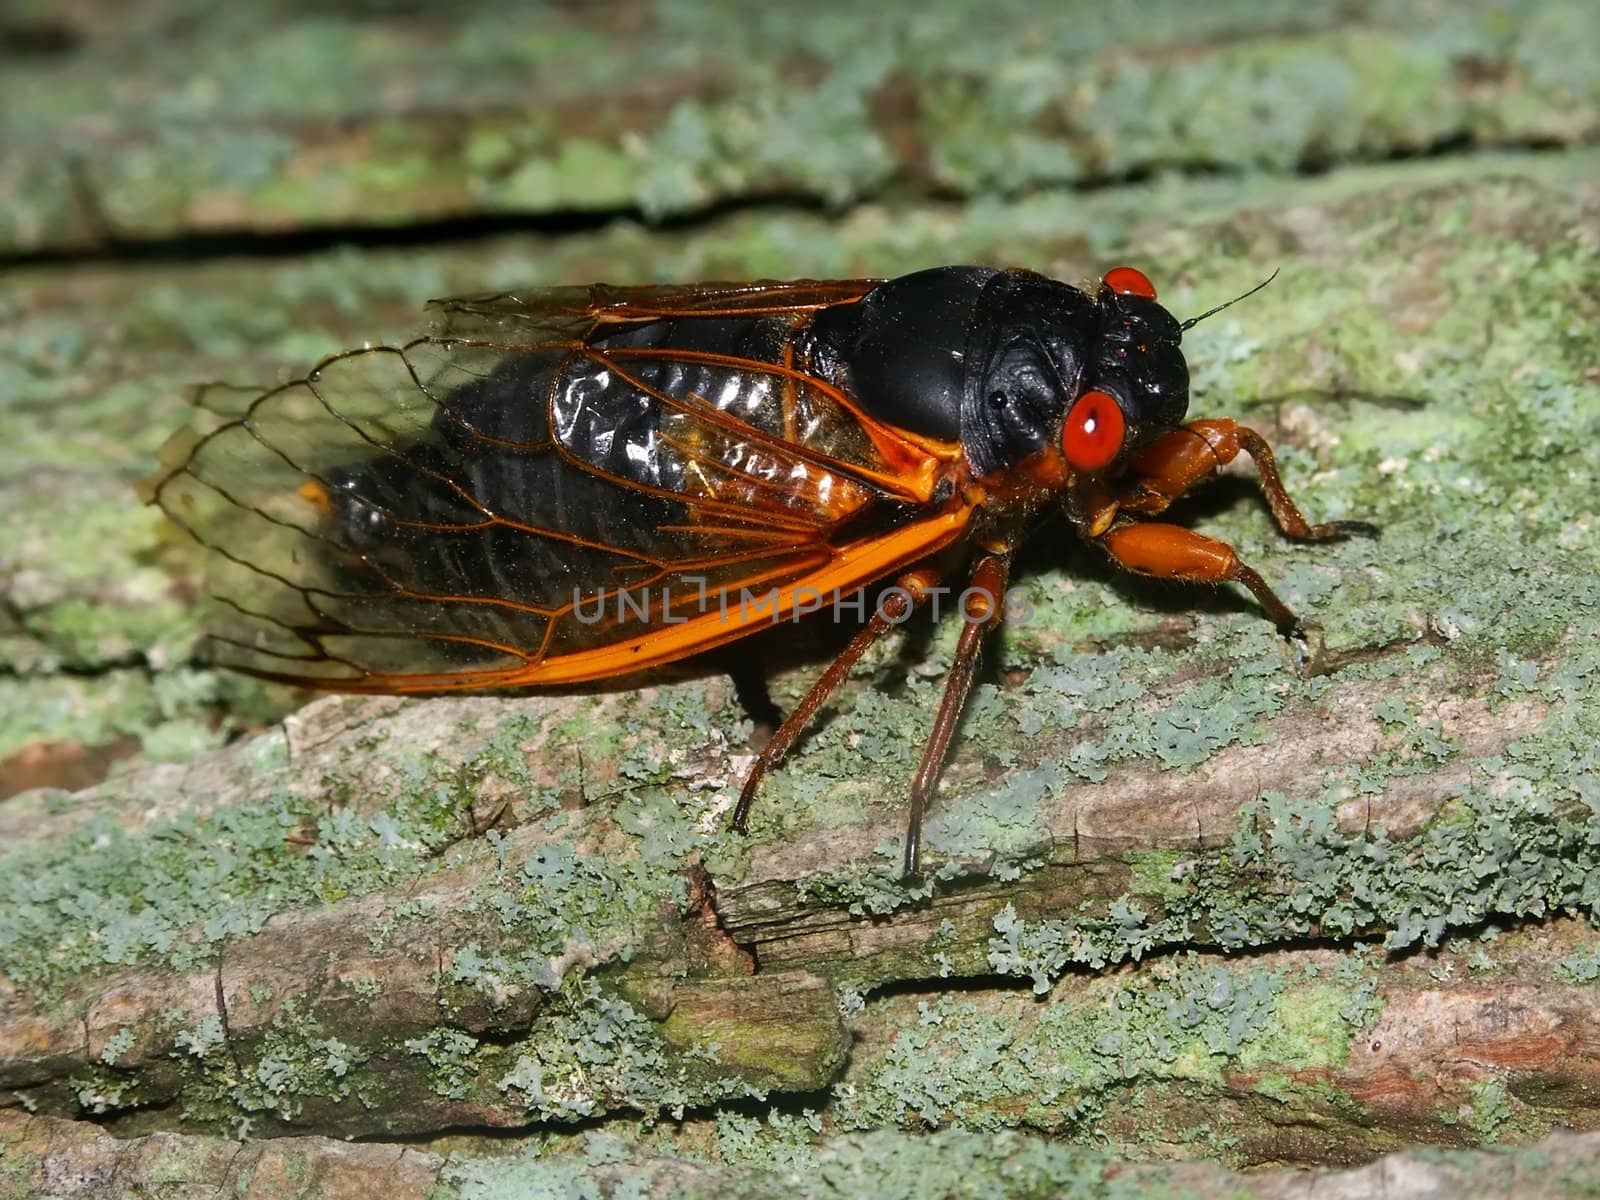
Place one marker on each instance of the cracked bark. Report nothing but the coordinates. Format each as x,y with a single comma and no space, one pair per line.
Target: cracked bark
72,1161
688,967
794,965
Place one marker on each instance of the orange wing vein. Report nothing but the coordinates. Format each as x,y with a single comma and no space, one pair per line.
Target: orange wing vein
537,496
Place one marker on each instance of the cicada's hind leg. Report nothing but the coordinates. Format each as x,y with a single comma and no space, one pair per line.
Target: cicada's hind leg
1171,465
908,594
983,607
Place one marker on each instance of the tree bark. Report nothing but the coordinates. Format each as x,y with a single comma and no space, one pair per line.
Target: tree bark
72,1160
1192,890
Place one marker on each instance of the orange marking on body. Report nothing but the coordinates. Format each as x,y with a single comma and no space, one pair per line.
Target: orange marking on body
1172,552
851,567
314,494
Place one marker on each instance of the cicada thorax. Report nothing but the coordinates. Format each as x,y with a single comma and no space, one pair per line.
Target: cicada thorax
1041,384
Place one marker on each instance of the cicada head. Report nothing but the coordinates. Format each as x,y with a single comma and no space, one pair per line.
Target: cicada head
1077,379
1137,385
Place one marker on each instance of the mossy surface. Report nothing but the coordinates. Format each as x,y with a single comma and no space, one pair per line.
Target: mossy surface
262,117
528,912
1468,665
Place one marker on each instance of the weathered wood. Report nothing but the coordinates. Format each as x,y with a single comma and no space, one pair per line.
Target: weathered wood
1193,891
389,916
72,1160
121,128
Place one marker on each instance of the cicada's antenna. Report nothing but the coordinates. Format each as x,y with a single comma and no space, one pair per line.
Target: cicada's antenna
1211,312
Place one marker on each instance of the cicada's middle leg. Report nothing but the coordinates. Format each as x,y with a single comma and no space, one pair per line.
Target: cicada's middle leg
983,607
909,593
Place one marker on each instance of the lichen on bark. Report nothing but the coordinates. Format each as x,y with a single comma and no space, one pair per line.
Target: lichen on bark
1194,891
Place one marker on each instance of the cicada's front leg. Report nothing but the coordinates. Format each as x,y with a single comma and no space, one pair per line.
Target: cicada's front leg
1168,468
1176,462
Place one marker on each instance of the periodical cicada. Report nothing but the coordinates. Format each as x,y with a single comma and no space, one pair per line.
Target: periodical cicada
570,484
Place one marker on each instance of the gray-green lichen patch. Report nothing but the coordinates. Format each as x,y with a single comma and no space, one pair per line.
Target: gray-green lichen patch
997,1059
882,1163
101,895
79,1161
1469,623
1291,871
904,1166
1229,1056
257,117
488,911
586,1053
451,937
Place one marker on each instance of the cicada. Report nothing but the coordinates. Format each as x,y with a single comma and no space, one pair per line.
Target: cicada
564,485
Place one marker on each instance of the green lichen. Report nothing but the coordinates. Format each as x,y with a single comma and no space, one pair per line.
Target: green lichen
353,117
1581,966
588,1053
876,889
558,903
295,1063
780,1141
602,1055
988,1064
297,1060
553,905
451,1055
116,1046
1291,871
100,1090
1159,873
883,1163
203,1039
1490,1111
101,896
1311,1026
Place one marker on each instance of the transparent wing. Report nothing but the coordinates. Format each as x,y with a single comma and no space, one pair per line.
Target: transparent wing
468,513
587,312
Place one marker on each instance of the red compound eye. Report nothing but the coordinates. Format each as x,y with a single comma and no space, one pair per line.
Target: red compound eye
1093,432
1130,281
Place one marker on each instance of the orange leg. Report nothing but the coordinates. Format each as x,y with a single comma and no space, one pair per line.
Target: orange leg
1173,552
983,608
1173,464
914,589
